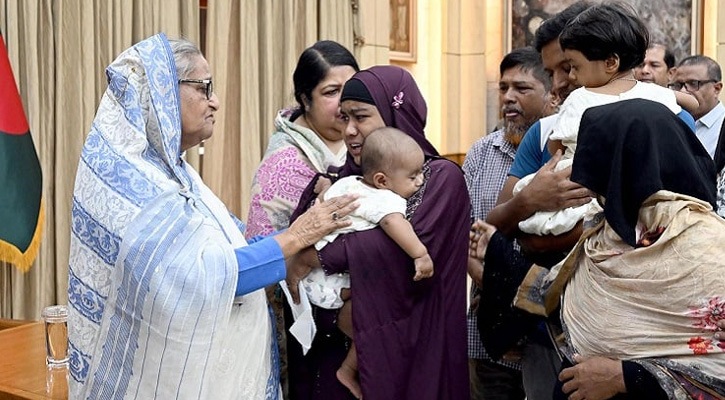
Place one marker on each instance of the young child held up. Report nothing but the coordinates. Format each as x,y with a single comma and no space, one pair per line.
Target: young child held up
392,164
602,46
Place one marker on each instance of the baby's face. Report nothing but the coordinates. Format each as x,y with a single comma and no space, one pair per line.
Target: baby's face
585,72
407,177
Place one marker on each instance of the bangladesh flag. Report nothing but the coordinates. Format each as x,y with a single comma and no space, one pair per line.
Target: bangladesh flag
21,182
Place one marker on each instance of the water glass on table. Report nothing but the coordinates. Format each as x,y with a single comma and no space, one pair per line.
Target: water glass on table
56,335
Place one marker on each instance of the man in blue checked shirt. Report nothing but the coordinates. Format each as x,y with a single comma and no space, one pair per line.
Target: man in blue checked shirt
524,97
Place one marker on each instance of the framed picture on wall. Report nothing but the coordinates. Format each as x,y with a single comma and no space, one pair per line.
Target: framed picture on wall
403,30
679,28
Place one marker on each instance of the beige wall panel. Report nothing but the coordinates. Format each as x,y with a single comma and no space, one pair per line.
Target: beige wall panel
473,99
451,102
428,68
465,102
719,7
495,50
464,74
374,18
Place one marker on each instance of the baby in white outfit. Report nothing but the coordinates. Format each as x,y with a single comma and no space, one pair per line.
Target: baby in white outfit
392,165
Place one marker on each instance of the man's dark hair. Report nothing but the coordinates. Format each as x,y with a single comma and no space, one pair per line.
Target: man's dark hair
669,55
605,30
713,69
550,29
528,60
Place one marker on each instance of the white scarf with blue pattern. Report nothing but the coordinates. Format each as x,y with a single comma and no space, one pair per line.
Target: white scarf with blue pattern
152,267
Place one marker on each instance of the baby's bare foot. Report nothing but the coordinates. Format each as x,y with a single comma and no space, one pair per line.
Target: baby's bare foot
348,377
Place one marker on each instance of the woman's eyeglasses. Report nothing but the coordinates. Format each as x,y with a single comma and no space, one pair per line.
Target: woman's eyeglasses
208,88
690,86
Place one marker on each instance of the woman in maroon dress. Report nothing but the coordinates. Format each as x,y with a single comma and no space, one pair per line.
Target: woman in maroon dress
410,336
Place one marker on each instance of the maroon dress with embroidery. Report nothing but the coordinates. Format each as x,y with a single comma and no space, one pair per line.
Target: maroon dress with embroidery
410,336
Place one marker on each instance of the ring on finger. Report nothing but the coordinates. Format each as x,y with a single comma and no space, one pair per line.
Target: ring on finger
335,216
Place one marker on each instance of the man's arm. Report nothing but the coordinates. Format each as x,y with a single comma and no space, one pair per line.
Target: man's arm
475,271
549,191
509,209
550,243
528,160
687,101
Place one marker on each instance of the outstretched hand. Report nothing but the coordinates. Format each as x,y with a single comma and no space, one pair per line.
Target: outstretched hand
479,237
321,219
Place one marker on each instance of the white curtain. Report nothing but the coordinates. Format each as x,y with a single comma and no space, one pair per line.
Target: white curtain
253,47
59,50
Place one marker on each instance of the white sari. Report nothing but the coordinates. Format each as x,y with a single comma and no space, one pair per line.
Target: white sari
152,266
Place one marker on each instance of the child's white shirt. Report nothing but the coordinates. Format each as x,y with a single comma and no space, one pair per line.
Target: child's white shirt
570,115
566,129
324,290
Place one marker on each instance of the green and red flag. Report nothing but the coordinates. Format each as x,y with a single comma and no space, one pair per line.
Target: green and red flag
21,181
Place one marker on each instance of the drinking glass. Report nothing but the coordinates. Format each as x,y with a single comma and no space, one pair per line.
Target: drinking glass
56,335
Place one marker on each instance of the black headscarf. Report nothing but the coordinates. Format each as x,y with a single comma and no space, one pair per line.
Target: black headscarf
629,150
355,90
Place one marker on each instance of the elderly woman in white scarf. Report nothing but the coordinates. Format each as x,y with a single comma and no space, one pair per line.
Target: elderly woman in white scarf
165,294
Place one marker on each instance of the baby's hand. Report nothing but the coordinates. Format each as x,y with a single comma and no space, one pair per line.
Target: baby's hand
321,187
423,267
